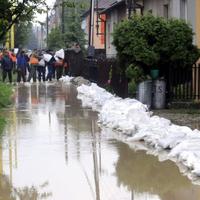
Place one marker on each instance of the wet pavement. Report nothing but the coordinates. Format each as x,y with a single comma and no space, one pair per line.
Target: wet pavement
182,117
53,149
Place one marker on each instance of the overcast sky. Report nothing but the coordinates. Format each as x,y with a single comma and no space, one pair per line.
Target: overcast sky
42,17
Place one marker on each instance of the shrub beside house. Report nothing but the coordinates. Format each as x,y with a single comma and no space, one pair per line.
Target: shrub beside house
150,42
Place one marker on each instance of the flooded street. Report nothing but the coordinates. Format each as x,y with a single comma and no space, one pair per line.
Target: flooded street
53,149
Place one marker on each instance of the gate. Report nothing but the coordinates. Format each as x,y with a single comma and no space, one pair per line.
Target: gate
184,84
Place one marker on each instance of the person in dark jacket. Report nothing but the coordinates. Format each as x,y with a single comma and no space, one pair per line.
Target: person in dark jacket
75,59
50,67
21,67
7,65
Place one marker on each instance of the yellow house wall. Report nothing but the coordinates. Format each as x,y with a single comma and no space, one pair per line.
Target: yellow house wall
198,22
10,42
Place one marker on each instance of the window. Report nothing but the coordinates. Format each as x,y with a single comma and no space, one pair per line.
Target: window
183,9
166,11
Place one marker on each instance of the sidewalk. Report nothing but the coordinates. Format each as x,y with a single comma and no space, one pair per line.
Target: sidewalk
183,117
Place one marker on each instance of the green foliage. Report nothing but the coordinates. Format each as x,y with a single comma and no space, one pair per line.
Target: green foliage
150,42
5,94
2,124
72,32
13,11
135,74
132,87
55,39
22,33
5,99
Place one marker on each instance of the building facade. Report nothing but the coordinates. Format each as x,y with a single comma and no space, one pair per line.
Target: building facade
115,13
188,10
99,29
197,22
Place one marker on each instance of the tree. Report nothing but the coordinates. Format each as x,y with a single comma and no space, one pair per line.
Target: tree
55,39
22,33
32,41
70,25
13,11
149,42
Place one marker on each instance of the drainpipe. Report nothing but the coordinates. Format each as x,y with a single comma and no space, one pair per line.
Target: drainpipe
91,28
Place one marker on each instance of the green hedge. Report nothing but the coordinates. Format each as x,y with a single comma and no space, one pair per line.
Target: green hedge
5,99
154,42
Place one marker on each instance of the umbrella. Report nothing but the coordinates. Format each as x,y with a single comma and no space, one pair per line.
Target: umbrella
60,53
47,57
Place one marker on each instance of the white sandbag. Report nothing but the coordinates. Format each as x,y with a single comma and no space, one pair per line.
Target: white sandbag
60,53
42,63
47,57
56,58
16,50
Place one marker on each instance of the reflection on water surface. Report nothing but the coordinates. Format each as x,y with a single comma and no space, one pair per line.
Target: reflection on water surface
52,148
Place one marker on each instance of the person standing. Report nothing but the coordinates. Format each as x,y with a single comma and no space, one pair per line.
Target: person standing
50,66
21,66
59,68
14,59
7,65
33,64
41,70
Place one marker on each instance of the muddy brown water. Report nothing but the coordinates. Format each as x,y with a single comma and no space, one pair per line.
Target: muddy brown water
53,149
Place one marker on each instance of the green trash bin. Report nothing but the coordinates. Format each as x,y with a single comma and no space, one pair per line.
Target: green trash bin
154,73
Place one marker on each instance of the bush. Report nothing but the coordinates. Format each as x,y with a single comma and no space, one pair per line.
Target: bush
5,94
154,42
5,99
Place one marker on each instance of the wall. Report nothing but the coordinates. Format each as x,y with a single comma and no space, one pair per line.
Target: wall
154,6
99,41
113,18
174,8
197,6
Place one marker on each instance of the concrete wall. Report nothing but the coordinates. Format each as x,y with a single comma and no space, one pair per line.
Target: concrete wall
154,6
98,44
197,22
113,18
180,9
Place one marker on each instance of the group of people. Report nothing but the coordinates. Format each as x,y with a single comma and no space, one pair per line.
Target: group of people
32,66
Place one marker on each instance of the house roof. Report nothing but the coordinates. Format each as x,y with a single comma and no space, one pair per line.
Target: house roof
103,4
113,4
116,3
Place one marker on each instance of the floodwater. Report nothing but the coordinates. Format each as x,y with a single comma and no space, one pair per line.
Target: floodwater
53,149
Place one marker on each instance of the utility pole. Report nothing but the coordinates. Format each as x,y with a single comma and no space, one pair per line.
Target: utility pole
63,16
91,28
47,24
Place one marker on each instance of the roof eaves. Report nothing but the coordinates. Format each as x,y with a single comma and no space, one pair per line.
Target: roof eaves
112,6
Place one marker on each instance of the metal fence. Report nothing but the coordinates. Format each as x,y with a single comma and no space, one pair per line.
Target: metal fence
105,72
184,84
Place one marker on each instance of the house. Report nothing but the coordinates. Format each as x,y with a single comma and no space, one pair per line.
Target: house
197,22
99,24
188,10
115,12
